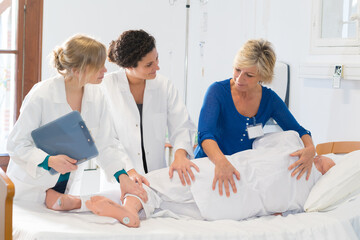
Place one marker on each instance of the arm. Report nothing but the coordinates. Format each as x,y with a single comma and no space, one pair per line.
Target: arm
183,166
224,170
306,158
287,121
20,145
181,135
208,120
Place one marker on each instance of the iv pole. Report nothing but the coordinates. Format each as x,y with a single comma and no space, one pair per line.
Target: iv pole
186,49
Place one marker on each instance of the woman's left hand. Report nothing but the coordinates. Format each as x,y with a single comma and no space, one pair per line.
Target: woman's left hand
183,166
138,178
305,162
131,187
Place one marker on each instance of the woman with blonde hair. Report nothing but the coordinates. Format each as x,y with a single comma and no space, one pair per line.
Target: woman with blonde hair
235,110
80,62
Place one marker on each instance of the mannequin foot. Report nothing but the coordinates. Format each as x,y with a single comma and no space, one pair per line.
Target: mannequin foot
61,202
103,206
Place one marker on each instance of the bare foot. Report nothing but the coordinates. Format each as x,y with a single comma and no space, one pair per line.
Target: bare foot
61,202
103,206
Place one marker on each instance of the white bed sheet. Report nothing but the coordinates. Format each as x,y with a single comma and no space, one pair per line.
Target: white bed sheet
32,221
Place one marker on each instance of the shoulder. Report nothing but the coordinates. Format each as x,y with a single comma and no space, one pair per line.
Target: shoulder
113,78
160,80
94,90
46,87
219,88
44,91
271,99
269,93
220,85
162,84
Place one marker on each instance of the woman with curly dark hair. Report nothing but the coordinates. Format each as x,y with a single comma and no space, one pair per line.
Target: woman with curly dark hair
145,105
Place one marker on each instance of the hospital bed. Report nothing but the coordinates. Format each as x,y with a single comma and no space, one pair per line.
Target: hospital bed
34,221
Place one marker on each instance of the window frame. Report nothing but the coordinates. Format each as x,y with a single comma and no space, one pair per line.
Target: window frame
321,45
30,24
29,52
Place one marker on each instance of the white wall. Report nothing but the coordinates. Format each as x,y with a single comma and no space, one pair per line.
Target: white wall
105,20
330,114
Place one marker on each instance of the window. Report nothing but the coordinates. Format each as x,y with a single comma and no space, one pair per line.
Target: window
20,58
335,27
8,53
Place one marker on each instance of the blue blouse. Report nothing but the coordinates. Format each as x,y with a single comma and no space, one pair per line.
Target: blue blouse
220,121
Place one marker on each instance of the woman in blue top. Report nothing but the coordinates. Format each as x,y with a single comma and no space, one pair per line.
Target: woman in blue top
235,110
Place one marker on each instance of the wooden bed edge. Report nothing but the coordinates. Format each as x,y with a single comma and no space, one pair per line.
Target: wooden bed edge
337,147
7,191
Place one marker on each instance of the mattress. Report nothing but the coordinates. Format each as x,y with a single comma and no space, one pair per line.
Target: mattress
34,221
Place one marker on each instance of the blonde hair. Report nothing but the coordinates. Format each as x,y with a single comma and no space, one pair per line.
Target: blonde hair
259,53
80,52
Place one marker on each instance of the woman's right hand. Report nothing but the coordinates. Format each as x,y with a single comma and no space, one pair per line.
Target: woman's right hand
131,187
62,163
224,172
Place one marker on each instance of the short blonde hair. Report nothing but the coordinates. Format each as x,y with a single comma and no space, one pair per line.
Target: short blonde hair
80,52
259,53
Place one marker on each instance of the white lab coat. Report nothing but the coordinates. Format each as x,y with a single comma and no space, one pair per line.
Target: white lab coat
46,102
162,109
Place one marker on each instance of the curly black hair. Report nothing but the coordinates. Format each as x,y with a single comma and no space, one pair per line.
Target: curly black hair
130,48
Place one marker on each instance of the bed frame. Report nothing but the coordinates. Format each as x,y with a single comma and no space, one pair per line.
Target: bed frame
7,191
337,147
7,188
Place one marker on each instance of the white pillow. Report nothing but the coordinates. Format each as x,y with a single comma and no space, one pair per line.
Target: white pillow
339,184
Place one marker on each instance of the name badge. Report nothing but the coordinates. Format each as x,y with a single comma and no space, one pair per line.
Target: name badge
255,131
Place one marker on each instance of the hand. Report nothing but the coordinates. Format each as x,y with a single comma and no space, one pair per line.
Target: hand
139,179
62,163
224,172
129,186
183,166
305,162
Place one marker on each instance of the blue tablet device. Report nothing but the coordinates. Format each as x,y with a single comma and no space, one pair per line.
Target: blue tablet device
67,135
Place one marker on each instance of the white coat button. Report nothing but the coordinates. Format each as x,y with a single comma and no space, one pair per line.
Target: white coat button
139,154
137,125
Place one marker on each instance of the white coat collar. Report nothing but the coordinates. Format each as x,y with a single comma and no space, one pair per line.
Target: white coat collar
60,94
124,84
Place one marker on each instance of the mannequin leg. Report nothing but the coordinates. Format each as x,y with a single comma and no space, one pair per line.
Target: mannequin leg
61,202
127,214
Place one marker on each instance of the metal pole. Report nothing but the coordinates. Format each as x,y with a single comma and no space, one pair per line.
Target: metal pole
186,49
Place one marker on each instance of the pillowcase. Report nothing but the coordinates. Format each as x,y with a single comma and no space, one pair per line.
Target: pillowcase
338,185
